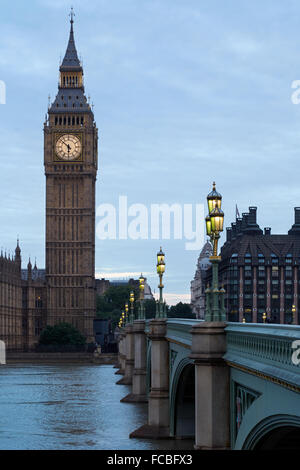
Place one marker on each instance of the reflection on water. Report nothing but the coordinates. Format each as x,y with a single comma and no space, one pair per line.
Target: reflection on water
70,407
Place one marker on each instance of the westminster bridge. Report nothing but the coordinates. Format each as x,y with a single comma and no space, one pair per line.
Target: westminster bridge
226,385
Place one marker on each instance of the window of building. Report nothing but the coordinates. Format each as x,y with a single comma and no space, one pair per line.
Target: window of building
233,259
288,258
248,271
275,271
261,271
288,272
261,258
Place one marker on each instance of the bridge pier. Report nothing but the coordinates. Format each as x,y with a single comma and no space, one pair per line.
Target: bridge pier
121,355
212,386
139,392
158,426
129,356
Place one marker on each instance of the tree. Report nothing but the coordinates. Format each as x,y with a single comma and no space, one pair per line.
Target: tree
150,308
61,334
111,304
180,310
115,298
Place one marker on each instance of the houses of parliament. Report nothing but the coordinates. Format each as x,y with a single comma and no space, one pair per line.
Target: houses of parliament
32,298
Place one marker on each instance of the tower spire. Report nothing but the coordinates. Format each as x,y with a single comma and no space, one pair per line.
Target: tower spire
72,15
71,61
70,97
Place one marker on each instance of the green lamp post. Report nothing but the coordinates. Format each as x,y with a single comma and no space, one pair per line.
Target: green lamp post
131,300
161,309
142,315
215,310
126,314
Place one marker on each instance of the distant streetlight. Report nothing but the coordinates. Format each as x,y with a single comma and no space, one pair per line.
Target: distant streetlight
294,313
141,299
161,309
131,307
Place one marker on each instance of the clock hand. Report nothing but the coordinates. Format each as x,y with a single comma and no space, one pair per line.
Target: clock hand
67,145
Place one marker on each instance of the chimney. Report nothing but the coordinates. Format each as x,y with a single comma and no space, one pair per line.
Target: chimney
245,217
297,215
228,234
233,230
295,230
267,231
239,226
252,215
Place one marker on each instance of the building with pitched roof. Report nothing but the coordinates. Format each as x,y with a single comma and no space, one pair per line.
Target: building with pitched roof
260,271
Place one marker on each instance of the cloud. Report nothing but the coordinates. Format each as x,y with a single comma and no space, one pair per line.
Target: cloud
173,299
119,275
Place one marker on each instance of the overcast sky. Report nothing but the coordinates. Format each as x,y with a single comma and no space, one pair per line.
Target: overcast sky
185,92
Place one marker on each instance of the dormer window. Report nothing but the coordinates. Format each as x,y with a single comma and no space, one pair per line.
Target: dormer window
261,258
233,258
288,258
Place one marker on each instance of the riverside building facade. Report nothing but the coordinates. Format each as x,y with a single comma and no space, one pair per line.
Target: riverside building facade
260,271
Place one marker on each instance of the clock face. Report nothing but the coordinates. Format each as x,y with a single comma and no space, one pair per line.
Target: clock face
68,147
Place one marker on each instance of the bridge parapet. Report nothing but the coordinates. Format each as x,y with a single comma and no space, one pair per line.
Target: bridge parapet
179,330
265,350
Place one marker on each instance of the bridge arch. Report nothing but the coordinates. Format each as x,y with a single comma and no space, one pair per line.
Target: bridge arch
182,400
278,432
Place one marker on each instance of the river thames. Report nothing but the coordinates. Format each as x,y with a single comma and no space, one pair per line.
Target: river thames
65,407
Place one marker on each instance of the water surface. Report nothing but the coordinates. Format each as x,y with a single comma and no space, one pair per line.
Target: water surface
70,407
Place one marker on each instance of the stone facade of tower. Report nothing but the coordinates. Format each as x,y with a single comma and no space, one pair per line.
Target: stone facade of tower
198,283
70,159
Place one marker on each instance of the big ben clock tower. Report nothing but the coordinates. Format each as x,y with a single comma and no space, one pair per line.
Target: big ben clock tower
70,158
